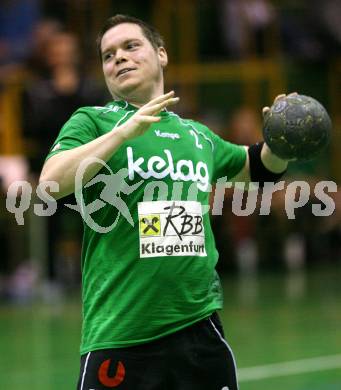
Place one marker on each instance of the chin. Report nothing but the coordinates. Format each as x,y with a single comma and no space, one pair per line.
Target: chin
128,88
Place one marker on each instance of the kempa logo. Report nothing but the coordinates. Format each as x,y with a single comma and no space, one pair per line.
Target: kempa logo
160,168
167,135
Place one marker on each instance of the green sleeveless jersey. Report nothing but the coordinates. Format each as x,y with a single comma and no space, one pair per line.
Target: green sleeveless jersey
149,256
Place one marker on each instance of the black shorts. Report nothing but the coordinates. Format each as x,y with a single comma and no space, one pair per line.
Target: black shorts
195,358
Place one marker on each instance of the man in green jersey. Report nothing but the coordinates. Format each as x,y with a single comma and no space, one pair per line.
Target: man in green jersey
150,291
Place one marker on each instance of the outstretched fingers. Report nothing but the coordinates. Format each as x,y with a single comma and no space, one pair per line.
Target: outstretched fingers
278,97
157,107
283,95
160,99
266,109
147,114
147,119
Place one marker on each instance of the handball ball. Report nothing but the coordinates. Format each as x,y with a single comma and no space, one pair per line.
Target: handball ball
297,127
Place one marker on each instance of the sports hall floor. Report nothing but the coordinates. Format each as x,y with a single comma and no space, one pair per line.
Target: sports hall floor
285,330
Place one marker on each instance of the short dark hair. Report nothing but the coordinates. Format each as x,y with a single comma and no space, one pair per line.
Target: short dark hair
153,36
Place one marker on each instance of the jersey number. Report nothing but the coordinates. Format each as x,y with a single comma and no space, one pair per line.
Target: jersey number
195,135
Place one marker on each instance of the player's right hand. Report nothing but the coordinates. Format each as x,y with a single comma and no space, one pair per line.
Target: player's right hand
139,123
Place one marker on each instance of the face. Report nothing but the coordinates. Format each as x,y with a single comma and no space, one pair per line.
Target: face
132,67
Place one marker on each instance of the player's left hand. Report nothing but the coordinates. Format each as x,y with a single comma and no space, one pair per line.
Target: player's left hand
266,109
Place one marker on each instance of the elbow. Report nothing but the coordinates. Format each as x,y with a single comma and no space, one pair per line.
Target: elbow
55,177
51,172
45,177
49,184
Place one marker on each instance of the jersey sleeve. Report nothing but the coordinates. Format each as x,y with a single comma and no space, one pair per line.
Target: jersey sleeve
229,158
78,130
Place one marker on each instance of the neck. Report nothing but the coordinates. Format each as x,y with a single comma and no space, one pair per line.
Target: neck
141,96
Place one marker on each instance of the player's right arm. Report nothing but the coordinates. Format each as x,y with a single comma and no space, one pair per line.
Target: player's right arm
62,167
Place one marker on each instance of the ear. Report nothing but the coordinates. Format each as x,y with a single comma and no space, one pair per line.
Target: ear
163,57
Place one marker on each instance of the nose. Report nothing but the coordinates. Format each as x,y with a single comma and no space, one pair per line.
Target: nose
120,56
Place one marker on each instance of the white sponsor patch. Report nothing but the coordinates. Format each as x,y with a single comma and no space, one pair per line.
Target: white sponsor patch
171,228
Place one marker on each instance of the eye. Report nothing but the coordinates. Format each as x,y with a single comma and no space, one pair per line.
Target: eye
107,56
132,45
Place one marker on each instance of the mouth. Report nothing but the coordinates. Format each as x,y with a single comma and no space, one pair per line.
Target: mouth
123,71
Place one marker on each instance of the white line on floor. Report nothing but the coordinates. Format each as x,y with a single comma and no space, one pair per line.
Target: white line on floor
320,363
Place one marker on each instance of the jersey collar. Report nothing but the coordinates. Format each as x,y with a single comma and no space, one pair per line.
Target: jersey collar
129,107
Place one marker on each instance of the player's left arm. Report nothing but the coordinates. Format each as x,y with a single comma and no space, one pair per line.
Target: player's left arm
258,161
